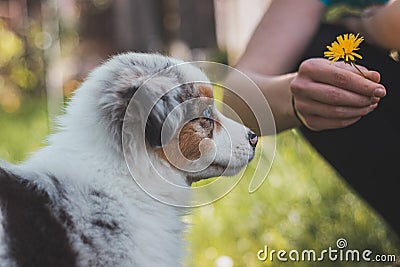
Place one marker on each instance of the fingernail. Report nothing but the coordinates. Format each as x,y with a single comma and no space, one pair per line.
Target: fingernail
379,92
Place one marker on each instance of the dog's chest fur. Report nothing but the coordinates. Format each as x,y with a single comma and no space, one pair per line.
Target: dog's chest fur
108,222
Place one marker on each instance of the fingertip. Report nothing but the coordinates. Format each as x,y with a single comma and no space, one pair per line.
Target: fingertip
379,92
373,106
374,76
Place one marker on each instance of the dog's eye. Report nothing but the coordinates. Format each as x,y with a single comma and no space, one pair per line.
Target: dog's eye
207,113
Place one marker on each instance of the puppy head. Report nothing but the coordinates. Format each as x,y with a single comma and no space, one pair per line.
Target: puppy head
169,107
207,144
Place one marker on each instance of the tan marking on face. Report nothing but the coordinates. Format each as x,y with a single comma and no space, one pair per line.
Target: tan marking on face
161,154
191,135
172,152
217,125
188,142
205,91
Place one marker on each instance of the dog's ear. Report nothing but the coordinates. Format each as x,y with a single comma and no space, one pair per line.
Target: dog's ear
163,121
163,98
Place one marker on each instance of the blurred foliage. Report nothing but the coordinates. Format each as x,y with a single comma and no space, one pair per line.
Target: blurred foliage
21,66
335,12
23,131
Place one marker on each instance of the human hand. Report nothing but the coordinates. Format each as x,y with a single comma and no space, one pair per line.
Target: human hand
330,96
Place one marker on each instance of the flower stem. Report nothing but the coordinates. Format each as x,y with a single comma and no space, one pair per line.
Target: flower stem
362,73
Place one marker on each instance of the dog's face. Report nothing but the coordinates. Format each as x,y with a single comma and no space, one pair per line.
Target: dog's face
207,144
175,106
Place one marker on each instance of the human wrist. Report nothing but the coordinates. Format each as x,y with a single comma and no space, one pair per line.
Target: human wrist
287,106
297,114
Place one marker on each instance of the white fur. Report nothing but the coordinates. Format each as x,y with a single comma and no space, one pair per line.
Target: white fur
5,260
3,248
144,241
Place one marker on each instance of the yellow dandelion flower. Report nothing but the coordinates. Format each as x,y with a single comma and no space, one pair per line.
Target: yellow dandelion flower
344,47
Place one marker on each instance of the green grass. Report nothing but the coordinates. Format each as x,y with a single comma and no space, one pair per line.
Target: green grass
303,204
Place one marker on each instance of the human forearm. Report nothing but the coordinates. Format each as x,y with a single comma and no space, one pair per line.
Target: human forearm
276,89
270,54
383,27
277,42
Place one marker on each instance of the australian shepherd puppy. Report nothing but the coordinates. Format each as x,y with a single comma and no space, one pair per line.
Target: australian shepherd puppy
94,195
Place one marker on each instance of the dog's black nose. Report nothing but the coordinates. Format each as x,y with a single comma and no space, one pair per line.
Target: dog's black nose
253,139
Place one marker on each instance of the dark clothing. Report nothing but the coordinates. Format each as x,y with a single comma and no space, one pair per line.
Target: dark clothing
366,154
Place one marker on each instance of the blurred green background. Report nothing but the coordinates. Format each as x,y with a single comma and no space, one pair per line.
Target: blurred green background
48,47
